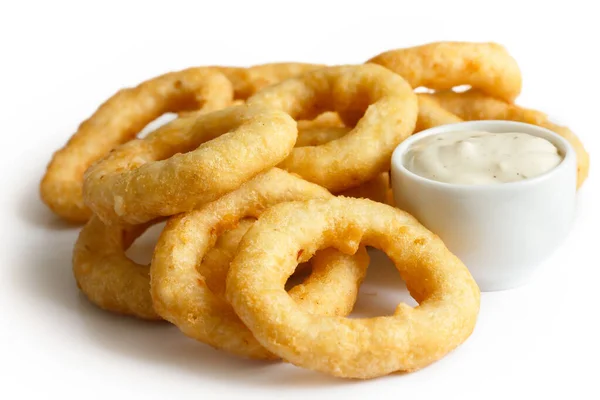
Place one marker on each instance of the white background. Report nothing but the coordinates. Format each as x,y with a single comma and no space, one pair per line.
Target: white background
60,59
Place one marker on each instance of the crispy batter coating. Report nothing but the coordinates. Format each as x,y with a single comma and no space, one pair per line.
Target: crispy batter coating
119,120
475,105
318,135
328,127
215,263
378,103
106,275
324,128
329,119
182,295
363,348
444,65
115,283
377,189
247,81
432,114
186,163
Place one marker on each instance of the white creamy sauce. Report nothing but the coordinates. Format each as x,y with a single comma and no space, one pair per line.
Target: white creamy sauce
481,158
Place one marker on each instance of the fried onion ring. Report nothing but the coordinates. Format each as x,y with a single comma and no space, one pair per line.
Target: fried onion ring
119,120
215,263
432,114
316,136
326,128
115,283
106,276
182,295
391,112
377,189
247,81
412,338
475,105
148,178
444,65
328,119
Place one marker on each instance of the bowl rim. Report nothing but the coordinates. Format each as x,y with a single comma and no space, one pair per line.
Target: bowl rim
564,147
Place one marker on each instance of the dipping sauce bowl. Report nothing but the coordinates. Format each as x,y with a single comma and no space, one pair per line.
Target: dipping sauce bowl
502,232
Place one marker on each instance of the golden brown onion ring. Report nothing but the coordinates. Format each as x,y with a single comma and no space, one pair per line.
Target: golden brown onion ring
183,296
432,114
412,338
378,103
444,65
186,163
247,81
115,283
119,120
104,273
377,189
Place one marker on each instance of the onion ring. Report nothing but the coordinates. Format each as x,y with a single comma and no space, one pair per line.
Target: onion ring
215,263
247,81
412,338
323,130
391,112
377,189
328,119
147,178
326,128
317,136
106,276
444,65
432,114
181,294
115,283
475,105
119,120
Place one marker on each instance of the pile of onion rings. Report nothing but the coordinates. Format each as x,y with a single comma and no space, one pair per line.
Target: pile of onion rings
275,170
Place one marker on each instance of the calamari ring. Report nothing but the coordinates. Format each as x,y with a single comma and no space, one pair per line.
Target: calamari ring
115,283
377,189
391,112
474,105
119,120
182,295
444,65
148,178
247,81
412,338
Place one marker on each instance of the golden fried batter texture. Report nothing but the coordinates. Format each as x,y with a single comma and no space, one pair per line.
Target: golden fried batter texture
412,338
445,65
244,177
119,120
184,296
187,163
379,104
126,113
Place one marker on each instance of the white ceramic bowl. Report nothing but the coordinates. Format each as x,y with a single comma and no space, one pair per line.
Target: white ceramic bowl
501,232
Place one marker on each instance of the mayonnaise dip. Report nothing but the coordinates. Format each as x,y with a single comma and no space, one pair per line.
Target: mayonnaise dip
481,158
